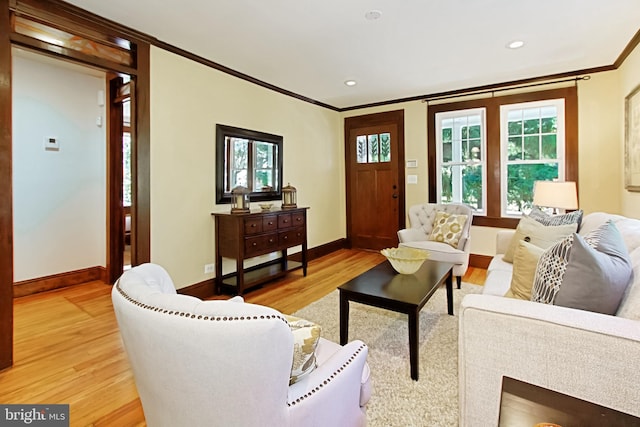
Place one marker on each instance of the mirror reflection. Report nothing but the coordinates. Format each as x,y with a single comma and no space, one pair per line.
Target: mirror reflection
249,159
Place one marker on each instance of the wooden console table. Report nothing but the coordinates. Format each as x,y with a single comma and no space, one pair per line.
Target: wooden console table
246,235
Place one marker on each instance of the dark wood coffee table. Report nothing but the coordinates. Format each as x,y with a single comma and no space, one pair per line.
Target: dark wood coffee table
403,293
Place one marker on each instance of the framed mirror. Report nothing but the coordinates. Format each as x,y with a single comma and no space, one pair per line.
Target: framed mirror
250,159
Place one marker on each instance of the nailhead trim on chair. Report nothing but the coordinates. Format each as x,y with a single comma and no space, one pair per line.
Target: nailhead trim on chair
328,380
194,316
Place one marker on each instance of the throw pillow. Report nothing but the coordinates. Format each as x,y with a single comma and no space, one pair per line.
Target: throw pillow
588,273
305,341
447,228
531,231
525,261
544,218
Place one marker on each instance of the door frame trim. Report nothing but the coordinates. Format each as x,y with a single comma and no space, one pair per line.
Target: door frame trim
395,117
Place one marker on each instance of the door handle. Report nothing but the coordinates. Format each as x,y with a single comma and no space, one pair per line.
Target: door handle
395,196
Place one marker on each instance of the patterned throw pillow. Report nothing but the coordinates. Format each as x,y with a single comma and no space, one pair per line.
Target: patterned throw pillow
543,236
447,228
305,341
544,218
590,273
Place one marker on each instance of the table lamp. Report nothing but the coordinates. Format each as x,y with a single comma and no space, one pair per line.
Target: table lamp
555,194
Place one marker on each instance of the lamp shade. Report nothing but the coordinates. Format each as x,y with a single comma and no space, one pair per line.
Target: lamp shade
555,194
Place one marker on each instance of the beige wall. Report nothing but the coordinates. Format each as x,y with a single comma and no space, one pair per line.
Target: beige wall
187,101
629,80
601,150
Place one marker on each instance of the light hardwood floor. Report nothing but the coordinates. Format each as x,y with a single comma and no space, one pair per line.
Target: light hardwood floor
67,347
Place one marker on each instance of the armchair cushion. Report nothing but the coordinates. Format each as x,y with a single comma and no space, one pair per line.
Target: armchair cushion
305,341
447,228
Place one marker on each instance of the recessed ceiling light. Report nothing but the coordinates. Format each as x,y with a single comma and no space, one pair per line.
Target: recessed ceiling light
350,82
372,15
516,44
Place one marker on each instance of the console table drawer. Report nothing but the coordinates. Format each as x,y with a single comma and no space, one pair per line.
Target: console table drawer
260,244
270,223
292,237
253,225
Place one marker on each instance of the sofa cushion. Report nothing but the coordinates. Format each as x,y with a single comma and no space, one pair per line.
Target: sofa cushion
447,228
544,218
531,231
588,273
525,261
305,341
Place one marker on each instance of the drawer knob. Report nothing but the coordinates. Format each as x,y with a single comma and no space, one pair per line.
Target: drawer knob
285,221
253,225
270,240
254,244
286,237
270,222
298,219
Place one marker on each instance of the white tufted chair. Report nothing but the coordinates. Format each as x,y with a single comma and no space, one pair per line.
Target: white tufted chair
421,218
227,363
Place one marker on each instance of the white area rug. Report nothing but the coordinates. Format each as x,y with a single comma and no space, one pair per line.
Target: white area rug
397,400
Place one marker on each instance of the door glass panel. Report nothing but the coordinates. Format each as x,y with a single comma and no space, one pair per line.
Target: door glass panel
361,148
385,147
373,148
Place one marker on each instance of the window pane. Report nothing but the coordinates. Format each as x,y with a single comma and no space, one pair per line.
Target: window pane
531,147
531,126
240,153
264,155
472,186
475,147
385,147
373,148
447,154
515,148
520,179
549,125
447,190
446,132
549,147
361,148
515,127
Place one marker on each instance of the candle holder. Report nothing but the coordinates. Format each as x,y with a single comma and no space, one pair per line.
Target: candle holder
240,200
289,197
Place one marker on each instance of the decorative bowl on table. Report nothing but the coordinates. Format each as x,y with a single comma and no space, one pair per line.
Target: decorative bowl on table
405,260
265,206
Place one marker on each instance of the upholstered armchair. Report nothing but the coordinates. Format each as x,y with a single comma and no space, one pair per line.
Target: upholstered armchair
439,229
228,363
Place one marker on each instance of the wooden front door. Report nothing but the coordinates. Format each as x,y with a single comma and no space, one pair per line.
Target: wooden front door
374,151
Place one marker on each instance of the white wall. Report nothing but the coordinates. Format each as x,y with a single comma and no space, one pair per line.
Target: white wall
187,101
59,197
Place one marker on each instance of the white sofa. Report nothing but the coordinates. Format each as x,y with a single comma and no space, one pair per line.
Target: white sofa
587,355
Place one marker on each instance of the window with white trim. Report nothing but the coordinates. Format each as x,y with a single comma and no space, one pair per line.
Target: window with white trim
460,158
532,149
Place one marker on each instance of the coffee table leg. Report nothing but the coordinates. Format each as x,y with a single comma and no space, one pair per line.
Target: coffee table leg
414,324
344,319
449,283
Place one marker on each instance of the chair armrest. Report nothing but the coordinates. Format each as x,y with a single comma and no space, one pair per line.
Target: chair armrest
411,235
571,351
503,240
331,393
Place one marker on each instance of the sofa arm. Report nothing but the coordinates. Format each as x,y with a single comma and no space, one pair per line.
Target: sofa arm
411,235
503,240
330,395
583,354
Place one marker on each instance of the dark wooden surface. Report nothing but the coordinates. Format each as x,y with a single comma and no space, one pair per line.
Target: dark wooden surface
383,287
524,404
247,235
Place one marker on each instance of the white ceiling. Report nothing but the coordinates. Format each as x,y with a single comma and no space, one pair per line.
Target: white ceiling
417,47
